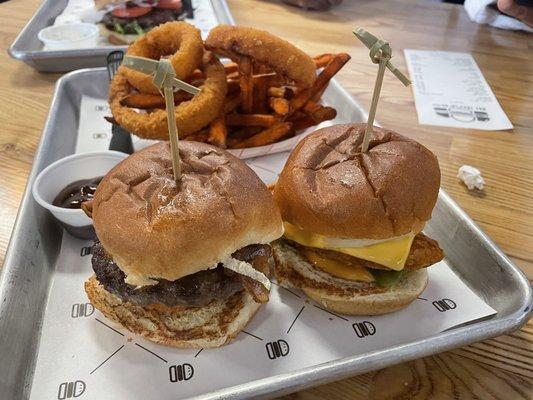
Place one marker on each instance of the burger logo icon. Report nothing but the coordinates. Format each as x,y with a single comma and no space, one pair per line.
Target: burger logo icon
70,390
81,310
182,372
85,251
279,348
363,329
444,305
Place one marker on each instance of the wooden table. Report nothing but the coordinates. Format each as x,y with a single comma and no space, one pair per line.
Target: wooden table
500,368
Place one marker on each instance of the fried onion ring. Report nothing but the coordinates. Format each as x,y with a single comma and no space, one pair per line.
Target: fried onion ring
180,40
191,116
264,49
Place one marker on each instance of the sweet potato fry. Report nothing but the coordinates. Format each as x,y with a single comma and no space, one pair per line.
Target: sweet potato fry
277,92
233,86
260,97
246,82
146,101
319,112
318,95
218,133
243,133
200,136
264,120
231,103
269,79
279,105
316,114
321,82
284,92
302,122
231,68
233,75
322,60
263,69
268,136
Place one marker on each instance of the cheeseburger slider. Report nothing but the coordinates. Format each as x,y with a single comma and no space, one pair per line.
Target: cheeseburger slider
125,20
353,220
185,264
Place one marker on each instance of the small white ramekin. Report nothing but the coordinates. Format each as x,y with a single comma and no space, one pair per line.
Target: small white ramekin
65,171
76,35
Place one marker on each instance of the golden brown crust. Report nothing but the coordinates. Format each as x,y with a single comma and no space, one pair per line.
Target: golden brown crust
153,228
264,48
191,115
329,187
211,326
424,253
180,40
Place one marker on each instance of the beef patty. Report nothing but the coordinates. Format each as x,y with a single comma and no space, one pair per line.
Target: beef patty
193,290
155,17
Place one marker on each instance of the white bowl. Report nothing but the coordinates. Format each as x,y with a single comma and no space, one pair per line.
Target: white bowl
77,35
65,171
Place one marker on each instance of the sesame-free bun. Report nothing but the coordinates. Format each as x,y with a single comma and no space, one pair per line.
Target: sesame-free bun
329,187
155,228
340,295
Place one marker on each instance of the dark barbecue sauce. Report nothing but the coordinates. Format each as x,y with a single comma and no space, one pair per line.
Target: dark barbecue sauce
76,193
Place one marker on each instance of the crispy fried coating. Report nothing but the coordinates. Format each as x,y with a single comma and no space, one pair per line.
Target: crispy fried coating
424,253
264,49
191,116
180,41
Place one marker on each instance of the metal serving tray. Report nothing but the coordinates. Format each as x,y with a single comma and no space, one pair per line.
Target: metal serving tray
35,244
28,48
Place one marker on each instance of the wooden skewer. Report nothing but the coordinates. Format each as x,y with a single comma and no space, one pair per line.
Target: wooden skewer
172,132
164,78
380,52
246,82
374,105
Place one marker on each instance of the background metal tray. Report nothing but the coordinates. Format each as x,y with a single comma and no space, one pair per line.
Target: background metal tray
35,244
28,48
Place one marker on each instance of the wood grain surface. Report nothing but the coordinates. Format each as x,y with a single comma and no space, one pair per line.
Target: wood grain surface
501,368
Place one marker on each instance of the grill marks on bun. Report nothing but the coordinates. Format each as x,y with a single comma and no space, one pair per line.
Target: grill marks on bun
329,187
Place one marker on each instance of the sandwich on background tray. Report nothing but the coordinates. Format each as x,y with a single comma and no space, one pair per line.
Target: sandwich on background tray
124,21
353,221
185,264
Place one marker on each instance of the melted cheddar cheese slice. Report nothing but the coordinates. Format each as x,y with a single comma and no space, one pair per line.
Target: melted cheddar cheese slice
389,253
337,268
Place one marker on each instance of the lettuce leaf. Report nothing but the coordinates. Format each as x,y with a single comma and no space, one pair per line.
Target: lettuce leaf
386,278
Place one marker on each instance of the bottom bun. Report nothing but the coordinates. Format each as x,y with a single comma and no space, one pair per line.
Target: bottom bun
213,325
340,295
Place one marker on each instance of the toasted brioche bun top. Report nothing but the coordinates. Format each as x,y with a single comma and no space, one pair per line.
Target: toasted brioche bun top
329,187
154,228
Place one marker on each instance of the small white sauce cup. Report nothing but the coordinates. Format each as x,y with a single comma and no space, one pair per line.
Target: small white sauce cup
76,35
54,178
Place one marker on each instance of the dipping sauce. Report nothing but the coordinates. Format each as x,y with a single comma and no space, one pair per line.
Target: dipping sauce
76,193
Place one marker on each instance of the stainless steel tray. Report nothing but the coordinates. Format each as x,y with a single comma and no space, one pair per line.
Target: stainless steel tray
28,48
35,244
